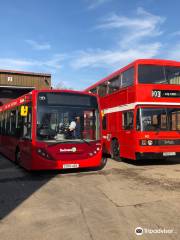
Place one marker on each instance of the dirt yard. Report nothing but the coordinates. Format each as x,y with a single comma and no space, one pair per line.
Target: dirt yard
91,205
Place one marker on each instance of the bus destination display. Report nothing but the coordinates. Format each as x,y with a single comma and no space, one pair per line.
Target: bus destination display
165,93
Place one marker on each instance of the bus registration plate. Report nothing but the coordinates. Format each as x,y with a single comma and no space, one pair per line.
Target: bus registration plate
169,154
66,166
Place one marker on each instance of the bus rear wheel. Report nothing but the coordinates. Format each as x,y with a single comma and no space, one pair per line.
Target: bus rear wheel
115,150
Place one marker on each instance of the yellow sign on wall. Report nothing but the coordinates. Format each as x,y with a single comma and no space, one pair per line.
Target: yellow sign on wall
24,111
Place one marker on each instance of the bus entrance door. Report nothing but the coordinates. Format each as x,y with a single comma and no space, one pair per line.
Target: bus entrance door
128,135
129,144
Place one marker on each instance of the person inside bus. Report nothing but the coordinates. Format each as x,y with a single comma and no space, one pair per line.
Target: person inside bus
75,127
45,130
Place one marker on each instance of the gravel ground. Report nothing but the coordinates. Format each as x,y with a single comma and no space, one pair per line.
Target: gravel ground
91,205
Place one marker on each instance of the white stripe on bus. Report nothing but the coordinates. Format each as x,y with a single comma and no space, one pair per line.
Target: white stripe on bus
133,105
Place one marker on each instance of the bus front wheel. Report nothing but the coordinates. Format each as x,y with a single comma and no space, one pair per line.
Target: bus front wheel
115,150
103,161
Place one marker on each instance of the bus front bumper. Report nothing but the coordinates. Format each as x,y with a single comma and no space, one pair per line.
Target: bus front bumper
157,155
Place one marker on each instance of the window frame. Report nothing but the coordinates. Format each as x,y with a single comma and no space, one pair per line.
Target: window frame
104,122
119,78
126,126
132,81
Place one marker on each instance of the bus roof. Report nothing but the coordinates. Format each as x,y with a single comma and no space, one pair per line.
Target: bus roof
138,61
24,98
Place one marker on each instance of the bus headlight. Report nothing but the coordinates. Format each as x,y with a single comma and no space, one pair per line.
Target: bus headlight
150,142
145,142
43,153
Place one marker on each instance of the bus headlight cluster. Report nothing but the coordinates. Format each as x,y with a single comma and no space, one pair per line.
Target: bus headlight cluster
146,142
150,142
43,153
94,152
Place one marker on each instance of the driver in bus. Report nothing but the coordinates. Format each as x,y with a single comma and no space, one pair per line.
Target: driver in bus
75,127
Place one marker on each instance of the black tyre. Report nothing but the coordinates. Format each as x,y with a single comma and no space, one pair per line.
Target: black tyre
115,150
103,162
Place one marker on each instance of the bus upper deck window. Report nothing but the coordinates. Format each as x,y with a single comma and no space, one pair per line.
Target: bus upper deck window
102,90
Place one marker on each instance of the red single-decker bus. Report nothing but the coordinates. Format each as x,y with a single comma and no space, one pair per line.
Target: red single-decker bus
52,129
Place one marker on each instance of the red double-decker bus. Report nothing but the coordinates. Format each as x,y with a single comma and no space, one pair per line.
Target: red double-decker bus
141,110
52,129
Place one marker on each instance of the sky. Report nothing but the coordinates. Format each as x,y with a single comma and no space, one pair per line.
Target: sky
81,41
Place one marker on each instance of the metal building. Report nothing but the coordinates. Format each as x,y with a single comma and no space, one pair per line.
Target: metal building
14,83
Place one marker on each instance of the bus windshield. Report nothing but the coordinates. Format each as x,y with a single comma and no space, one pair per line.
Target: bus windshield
66,117
158,119
156,74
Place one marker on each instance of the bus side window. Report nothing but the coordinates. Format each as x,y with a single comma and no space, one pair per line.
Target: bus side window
175,120
104,122
128,77
114,84
102,90
8,126
138,124
13,122
27,123
1,123
18,123
23,124
178,120
127,120
94,90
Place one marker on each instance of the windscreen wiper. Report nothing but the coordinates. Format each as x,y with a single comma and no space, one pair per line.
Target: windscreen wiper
85,141
57,142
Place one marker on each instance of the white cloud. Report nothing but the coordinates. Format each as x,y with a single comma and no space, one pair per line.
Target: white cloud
38,46
133,37
134,29
113,58
143,20
174,52
54,63
61,84
174,34
14,63
130,42
96,3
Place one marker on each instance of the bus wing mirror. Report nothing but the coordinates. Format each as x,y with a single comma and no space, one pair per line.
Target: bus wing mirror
24,111
102,114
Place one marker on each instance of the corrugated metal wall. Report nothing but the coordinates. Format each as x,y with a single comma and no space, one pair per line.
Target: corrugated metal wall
25,80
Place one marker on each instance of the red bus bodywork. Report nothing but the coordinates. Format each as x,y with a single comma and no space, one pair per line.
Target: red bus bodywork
38,155
139,95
